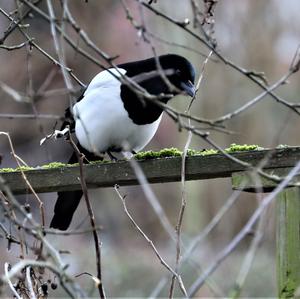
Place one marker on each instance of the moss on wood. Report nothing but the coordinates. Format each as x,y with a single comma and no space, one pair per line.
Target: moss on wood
174,152
147,155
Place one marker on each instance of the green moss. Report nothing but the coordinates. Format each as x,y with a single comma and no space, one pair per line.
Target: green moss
170,152
174,152
60,164
208,152
21,168
7,169
54,165
241,148
235,292
289,289
24,168
46,166
166,152
192,152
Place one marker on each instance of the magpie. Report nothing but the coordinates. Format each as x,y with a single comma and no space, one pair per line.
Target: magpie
113,115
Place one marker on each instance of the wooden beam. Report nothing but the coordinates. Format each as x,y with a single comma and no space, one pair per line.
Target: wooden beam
288,243
157,171
245,181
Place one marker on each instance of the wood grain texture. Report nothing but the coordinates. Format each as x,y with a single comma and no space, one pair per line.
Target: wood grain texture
157,171
288,243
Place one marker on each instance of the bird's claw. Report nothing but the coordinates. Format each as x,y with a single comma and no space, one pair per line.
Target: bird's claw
56,134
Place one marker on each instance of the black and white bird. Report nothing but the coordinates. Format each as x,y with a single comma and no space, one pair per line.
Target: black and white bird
111,116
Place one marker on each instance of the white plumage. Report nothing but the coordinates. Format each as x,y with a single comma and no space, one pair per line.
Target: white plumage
102,123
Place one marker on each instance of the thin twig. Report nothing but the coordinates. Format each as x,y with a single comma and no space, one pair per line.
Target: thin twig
15,25
58,267
29,282
10,284
41,204
258,98
31,116
149,241
92,220
244,231
248,261
199,238
34,44
152,199
183,189
249,74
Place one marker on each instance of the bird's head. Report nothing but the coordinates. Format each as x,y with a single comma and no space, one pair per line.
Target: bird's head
180,72
147,74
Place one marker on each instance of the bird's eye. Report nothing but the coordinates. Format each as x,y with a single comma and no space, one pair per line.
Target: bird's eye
178,72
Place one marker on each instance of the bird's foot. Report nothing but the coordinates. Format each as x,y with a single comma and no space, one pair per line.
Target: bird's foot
128,155
56,134
112,157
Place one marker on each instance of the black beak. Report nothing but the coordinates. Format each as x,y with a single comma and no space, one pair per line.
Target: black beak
189,88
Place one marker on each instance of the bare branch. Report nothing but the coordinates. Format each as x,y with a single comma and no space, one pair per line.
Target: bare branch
92,220
240,236
163,262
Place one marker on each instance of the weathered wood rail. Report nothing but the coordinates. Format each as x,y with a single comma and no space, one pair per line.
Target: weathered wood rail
162,170
157,171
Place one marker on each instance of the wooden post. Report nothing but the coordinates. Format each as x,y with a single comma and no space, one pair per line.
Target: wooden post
288,242
287,230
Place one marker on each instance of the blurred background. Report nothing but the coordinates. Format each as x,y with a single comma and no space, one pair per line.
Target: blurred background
256,35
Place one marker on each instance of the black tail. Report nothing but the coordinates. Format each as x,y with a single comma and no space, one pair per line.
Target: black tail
65,206
68,201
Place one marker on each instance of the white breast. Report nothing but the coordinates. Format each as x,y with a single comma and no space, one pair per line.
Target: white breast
102,121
